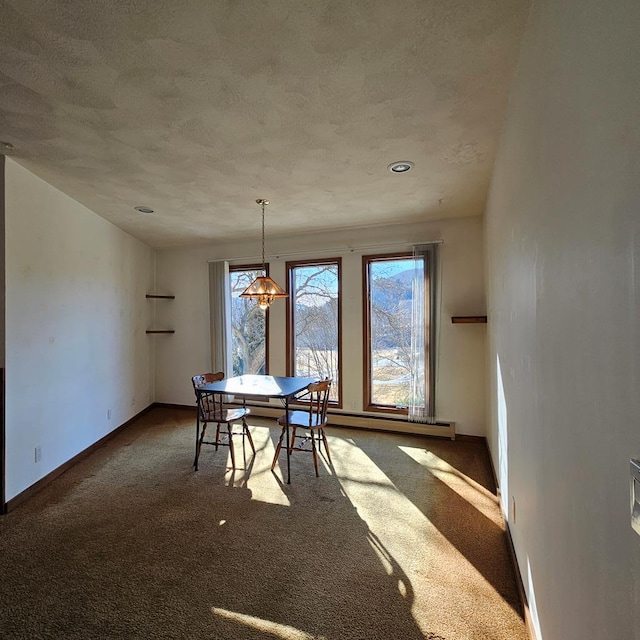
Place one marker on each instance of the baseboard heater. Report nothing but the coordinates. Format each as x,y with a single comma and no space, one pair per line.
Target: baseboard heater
441,428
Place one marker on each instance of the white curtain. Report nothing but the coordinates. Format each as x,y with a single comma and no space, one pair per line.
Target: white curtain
220,317
424,333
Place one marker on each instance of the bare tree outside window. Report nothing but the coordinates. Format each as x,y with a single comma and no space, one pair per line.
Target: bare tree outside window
248,325
315,321
390,298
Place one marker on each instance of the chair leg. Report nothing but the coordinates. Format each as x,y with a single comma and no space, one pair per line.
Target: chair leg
315,453
326,443
278,447
217,435
293,438
233,453
246,432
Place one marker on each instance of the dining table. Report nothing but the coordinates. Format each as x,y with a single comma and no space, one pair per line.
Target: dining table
259,386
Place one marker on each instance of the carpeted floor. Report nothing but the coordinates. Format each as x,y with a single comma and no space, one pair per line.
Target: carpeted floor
401,540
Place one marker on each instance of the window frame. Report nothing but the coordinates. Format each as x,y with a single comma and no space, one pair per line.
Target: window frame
290,313
367,378
256,267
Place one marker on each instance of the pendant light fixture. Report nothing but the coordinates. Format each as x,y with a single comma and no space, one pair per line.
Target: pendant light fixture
264,289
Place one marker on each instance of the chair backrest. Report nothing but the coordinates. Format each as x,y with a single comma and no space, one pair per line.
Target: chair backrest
207,402
319,401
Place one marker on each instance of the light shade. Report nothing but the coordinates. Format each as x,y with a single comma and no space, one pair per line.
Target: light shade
264,290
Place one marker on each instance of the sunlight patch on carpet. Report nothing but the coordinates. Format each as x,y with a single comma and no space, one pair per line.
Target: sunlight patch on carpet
475,494
278,630
263,484
424,561
394,522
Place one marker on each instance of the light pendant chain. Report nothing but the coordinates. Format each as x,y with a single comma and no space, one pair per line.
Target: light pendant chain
263,262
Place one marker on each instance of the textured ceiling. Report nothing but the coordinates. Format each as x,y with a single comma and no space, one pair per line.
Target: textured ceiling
198,107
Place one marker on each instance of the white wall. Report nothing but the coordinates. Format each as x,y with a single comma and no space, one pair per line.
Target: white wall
461,388
563,276
76,317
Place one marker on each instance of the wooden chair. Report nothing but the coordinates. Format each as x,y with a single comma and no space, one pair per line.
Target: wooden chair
212,409
312,420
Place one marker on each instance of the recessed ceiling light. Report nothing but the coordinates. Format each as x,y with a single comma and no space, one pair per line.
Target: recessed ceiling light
141,209
400,167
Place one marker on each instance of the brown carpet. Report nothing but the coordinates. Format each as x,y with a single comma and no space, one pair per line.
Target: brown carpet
402,539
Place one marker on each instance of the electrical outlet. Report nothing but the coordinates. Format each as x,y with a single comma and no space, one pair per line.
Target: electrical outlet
513,509
38,453
108,414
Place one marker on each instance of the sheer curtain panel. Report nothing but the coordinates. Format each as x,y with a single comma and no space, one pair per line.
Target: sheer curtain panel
219,301
424,333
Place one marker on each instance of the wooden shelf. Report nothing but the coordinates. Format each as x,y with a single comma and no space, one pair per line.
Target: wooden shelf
469,319
153,295
161,331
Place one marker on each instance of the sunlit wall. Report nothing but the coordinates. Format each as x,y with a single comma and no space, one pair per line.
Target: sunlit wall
563,276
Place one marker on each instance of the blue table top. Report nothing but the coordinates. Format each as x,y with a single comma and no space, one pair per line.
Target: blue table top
258,385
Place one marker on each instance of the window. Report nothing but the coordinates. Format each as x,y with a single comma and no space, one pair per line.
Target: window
388,309
249,344
314,319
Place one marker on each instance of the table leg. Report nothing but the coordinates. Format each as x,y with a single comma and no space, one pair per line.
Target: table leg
287,444
195,459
